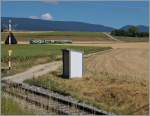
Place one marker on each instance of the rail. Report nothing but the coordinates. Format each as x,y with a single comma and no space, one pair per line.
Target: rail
61,104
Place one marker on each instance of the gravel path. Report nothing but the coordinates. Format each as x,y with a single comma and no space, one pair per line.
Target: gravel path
39,70
35,71
111,37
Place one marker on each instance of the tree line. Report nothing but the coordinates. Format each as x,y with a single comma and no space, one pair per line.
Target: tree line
132,31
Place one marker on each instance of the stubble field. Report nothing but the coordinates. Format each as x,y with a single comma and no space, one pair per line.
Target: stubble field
116,80
125,61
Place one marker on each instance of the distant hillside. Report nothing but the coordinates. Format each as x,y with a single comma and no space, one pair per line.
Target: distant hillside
26,24
141,28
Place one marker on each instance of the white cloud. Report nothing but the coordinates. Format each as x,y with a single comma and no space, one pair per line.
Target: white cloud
46,16
34,17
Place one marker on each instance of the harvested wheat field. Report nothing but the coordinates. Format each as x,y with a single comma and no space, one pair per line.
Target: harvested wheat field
114,80
114,44
122,79
123,61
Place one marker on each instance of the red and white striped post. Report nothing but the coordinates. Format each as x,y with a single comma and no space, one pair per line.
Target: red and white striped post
9,51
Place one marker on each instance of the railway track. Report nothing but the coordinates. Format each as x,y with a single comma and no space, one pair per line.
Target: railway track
50,100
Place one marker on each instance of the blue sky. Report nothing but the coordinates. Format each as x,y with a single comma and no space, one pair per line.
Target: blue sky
109,13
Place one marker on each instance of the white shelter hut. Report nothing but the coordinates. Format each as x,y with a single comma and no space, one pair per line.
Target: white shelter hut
72,64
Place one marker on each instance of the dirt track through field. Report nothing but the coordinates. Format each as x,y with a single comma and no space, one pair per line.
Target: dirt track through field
111,37
35,71
120,61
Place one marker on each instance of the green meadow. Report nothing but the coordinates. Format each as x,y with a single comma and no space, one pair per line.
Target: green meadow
26,35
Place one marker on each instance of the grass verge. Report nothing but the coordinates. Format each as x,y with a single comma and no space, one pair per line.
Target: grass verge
11,107
113,93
